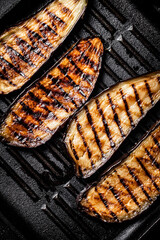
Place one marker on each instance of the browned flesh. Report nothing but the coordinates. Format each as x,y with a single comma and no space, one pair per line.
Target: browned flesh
24,48
102,125
129,188
50,101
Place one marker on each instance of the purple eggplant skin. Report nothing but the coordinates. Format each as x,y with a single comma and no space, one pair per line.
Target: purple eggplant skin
27,46
99,128
129,186
49,102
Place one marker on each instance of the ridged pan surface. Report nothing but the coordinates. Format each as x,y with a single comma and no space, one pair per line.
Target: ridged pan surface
129,188
24,48
102,125
50,101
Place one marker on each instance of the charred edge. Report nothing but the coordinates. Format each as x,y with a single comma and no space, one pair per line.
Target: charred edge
152,159
33,36
156,141
64,71
49,92
78,71
21,121
127,109
140,184
128,189
73,150
149,92
106,205
84,141
12,67
89,117
43,103
117,196
158,78
12,53
138,99
148,174
5,76
116,119
112,144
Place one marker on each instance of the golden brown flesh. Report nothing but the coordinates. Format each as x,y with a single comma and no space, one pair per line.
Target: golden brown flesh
129,188
101,126
24,48
50,101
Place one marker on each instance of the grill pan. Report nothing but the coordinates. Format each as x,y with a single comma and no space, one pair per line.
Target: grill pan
38,188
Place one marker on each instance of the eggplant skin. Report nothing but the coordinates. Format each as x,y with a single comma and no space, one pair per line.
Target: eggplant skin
51,100
99,128
24,48
129,187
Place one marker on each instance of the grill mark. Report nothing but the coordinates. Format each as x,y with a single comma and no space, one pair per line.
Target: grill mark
78,71
44,29
148,174
152,159
12,67
116,195
43,103
21,121
20,138
75,86
156,141
50,94
127,109
138,99
140,184
106,205
149,92
116,119
90,121
79,127
73,150
67,96
12,53
112,144
33,36
5,76
128,189
54,17
90,63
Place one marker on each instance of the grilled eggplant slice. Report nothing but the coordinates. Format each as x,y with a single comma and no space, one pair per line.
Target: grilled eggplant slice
50,101
24,48
101,126
129,187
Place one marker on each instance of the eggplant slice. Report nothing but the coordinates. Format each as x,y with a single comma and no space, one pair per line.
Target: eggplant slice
129,187
50,101
101,126
24,48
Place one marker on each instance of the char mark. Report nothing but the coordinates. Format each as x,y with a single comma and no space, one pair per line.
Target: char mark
117,196
55,19
64,71
12,53
50,94
116,118
148,174
149,92
156,141
140,184
78,71
73,150
112,144
152,159
122,180
33,36
107,206
12,67
90,121
4,75
79,129
21,121
138,99
127,108
36,115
